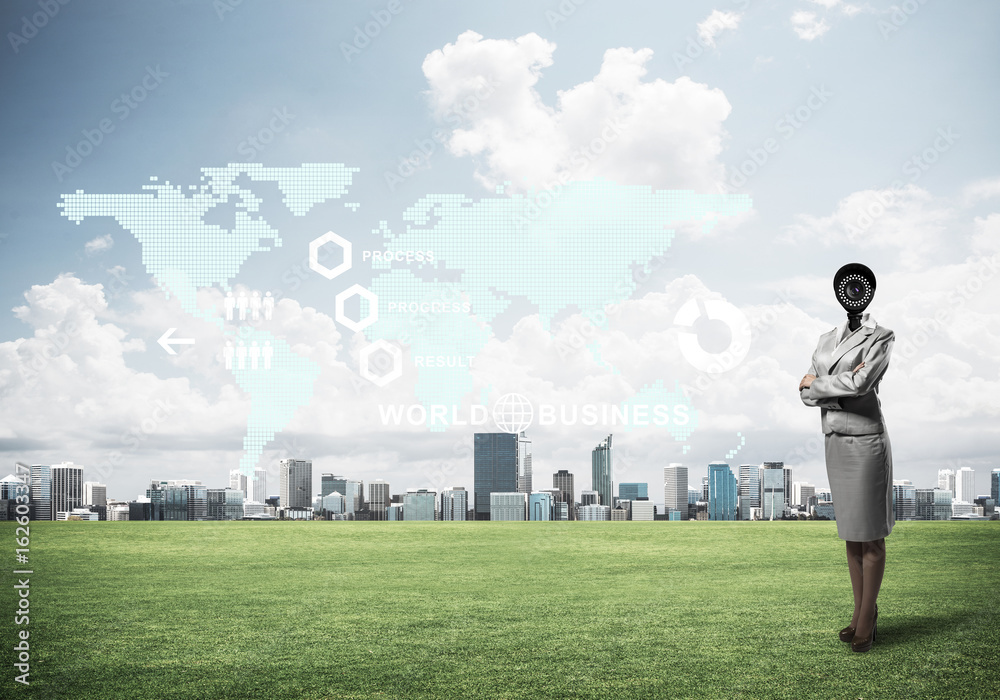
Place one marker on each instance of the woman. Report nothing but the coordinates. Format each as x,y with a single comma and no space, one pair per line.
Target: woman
843,380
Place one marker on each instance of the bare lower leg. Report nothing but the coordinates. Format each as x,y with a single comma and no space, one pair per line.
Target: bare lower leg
873,563
855,567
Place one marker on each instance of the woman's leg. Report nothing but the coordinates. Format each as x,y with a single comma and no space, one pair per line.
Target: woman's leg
873,561
855,555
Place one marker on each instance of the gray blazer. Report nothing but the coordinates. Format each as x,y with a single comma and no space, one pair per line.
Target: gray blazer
849,400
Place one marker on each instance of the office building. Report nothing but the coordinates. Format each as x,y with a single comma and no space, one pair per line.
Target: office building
824,509
418,504
932,504
454,503
238,481
257,486
642,510
118,512
788,487
946,480
589,498
224,504
496,465
508,506
749,490
801,493
772,490
540,506
333,503
94,494
524,481
995,485
722,492
560,510
40,485
965,485
67,487
675,489
379,499
633,491
595,512
563,480
704,489
295,478
77,514
601,469
904,499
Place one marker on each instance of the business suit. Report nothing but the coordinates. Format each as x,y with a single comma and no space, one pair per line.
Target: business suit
858,453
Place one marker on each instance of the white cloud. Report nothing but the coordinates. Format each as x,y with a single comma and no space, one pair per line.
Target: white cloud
616,126
99,244
715,24
808,26
982,190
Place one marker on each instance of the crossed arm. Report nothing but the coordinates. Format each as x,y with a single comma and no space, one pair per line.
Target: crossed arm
826,391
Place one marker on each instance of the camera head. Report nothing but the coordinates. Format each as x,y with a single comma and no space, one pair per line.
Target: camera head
854,285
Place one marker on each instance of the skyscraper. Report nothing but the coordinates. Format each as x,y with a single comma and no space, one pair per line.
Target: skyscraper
965,485
563,481
802,492
454,503
497,460
257,486
295,477
995,486
633,491
67,487
95,494
418,504
675,489
722,492
788,486
379,499
540,506
904,499
524,483
946,480
749,490
601,468
238,481
772,490
41,491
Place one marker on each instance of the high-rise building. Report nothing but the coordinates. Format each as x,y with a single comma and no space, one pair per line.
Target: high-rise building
932,504
563,480
224,504
295,477
352,490
95,494
257,486
333,503
508,506
772,490
995,486
801,493
418,504
965,485
454,503
497,464
540,506
946,480
67,487
642,510
722,492
749,490
524,481
238,481
904,499
40,476
633,491
675,489
704,489
589,498
788,486
601,469
379,499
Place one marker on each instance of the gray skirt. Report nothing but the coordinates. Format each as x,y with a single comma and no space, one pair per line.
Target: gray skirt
859,468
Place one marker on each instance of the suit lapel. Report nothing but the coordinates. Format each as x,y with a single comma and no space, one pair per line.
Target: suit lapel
848,344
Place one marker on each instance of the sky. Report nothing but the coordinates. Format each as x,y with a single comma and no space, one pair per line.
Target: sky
860,132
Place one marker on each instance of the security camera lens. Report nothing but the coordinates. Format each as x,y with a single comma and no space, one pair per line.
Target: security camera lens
854,291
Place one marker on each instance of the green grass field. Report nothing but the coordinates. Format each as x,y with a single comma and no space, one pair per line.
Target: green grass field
499,610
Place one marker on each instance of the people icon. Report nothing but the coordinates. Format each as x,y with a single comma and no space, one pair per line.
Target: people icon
255,305
267,352
254,355
230,305
227,354
241,303
241,356
268,306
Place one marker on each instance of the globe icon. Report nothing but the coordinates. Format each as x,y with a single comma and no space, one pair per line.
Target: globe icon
513,413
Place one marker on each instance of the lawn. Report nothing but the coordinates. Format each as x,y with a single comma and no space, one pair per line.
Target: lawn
499,610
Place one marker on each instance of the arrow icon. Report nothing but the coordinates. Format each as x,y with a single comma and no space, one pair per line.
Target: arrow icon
166,341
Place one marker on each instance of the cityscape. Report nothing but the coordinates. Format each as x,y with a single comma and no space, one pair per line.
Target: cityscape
504,489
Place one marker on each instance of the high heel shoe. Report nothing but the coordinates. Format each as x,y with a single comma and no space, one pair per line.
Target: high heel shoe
863,645
847,634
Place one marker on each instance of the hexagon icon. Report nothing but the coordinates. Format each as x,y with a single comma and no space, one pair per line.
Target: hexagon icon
315,264
397,362
362,323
